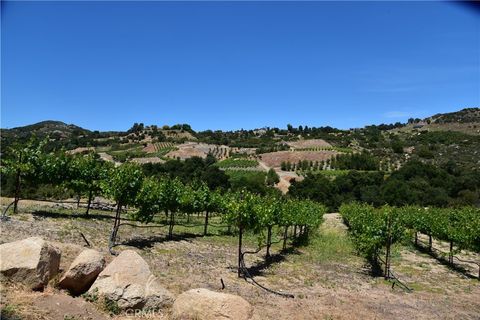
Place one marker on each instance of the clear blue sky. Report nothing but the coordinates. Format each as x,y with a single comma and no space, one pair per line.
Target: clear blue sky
232,65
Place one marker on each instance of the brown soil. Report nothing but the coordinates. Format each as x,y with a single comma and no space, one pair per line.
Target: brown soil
310,143
190,149
150,148
60,306
275,159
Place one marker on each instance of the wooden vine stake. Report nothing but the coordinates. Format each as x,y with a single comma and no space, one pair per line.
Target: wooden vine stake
389,242
450,255
240,234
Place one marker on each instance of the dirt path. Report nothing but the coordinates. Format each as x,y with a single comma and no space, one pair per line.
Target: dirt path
334,221
106,157
284,177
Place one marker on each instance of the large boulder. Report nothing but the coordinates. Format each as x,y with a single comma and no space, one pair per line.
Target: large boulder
127,280
31,261
202,304
82,272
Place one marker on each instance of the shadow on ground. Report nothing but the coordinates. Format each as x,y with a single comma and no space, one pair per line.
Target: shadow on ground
259,268
60,215
142,242
441,258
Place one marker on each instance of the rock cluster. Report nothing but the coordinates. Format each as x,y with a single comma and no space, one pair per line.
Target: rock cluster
127,281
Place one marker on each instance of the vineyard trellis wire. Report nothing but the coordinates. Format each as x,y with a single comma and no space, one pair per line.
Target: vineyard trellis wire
431,248
374,229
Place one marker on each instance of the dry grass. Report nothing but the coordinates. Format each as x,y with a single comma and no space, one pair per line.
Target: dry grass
328,279
16,303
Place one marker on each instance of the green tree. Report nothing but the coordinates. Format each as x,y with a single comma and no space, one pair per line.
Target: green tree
122,185
170,200
147,200
272,177
207,201
268,212
374,229
24,162
240,212
86,175
397,146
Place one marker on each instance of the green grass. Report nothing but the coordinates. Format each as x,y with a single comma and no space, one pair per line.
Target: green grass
238,174
333,173
330,246
237,163
426,287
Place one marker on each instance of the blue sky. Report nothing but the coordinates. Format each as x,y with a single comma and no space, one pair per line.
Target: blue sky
232,65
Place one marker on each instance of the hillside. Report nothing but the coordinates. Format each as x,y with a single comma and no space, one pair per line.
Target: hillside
465,121
467,115
437,139
54,129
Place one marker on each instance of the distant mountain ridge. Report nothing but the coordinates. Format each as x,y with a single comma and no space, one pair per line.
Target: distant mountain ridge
467,115
465,121
48,127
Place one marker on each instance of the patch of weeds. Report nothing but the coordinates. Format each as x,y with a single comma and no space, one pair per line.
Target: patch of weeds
330,246
69,317
22,217
9,312
163,251
91,296
308,282
380,281
418,286
104,303
395,252
111,306
424,266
